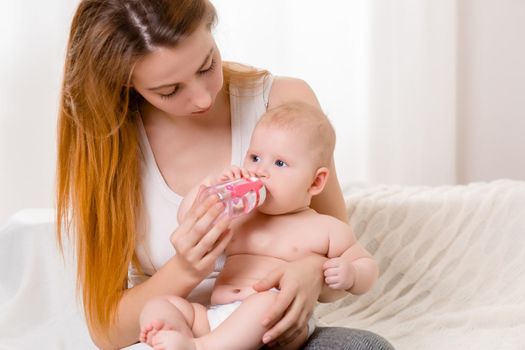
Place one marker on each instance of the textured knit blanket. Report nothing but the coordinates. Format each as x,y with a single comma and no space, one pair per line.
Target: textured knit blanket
452,266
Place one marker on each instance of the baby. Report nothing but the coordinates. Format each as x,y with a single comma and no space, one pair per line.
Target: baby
290,151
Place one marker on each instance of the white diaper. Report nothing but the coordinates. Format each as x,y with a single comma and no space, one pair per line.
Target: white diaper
218,313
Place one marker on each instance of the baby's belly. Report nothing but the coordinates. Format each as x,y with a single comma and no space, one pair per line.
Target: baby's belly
239,274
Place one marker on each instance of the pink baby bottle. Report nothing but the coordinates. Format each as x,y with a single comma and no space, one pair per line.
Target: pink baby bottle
239,196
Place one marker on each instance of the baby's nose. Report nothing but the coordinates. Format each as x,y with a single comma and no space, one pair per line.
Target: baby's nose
260,172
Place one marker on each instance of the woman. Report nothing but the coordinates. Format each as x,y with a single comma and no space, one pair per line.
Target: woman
148,109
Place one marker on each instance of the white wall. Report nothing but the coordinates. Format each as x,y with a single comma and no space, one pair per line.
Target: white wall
340,48
328,46
32,42
491,90
412,119
323,45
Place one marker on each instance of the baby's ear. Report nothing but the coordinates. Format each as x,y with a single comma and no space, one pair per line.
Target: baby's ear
321,176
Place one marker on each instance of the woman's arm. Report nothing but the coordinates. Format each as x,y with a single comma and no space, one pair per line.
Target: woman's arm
331,201
126,330
198,241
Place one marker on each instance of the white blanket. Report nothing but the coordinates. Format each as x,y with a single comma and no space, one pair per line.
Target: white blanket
452,266
451,272
38,308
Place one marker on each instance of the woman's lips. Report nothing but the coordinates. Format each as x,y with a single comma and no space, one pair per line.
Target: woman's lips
202,111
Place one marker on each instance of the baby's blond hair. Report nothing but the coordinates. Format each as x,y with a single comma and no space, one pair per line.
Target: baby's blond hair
309,122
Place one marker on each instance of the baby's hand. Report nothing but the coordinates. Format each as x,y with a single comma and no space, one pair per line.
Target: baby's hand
339,273
234,173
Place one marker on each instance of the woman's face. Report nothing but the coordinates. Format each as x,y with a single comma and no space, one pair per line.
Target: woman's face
181,81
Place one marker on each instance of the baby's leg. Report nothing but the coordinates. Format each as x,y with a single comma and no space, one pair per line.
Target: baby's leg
168,313
243,330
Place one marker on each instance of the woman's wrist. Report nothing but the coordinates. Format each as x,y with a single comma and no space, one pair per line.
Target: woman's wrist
317,262
186,278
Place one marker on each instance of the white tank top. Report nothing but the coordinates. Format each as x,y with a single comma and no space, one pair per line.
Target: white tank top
161,204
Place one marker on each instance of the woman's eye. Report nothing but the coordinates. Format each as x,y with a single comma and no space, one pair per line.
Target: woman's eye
255,158
210,69
171,93
280,163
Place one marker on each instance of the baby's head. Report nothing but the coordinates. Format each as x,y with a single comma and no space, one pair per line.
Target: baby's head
291,151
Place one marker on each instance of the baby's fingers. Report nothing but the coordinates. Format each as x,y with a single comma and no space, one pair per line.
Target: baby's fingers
331,272
332,263
332,281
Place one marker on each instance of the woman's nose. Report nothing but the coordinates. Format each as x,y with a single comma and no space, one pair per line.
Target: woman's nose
201,98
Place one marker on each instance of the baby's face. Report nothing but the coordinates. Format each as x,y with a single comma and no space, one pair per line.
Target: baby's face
283,161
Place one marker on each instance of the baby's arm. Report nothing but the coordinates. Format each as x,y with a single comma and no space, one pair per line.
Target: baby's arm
350,267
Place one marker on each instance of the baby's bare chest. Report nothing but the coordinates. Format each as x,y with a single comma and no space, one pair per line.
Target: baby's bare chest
280,238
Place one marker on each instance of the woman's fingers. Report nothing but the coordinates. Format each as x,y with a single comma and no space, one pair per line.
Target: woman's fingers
188,233
199,207
203,226
292,321
211,238
222,242
269,281
199,234
288,337
282,305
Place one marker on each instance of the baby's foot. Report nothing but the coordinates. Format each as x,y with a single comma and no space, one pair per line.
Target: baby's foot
172,340
148,332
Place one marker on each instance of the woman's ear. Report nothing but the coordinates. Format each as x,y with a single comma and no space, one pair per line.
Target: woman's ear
321,176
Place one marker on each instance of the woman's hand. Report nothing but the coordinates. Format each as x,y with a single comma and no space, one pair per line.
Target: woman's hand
299,283
202,235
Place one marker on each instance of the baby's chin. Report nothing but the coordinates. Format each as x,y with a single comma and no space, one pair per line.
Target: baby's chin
269,211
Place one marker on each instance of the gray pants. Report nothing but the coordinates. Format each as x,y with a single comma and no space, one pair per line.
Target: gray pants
338,338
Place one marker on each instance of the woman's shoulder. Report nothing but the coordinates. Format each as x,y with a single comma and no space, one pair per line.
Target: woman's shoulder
287,89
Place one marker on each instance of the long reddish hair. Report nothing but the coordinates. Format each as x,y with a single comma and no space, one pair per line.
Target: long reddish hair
98,184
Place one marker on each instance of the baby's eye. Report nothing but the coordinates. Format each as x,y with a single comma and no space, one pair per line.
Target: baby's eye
255,158
280,163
